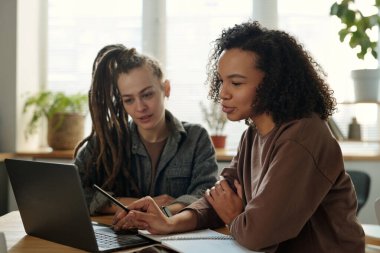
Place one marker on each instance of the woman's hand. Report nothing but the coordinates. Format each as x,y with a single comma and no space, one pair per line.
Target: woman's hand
144,214
163,200
221,194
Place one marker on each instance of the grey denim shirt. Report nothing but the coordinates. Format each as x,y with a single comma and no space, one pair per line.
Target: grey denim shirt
187,166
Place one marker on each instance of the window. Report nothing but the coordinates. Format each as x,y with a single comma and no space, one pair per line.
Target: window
76,33
191,28
309,21
77,30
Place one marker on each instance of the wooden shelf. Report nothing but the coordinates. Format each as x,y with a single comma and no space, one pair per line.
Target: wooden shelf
357,102
222,155
48,153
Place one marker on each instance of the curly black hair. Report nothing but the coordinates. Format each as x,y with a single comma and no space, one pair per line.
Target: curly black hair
294,84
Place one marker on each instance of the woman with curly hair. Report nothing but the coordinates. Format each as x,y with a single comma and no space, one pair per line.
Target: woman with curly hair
152,154
292,191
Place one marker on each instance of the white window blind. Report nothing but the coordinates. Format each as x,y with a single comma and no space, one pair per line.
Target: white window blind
78,29
191,27
309,21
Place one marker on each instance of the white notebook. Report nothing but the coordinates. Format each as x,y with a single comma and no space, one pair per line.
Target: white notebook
193,235
205,240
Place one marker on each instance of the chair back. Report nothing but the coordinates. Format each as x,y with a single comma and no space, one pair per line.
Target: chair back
362,183
3,243
377,210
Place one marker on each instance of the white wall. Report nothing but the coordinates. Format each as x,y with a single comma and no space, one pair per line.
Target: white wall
22,66
8,23
31,64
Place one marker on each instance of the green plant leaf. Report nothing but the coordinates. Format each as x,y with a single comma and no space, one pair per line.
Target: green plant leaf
334,9
357,26
342,34
47,103
348,17
214,117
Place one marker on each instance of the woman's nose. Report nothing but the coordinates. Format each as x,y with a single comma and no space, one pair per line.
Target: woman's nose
224,94
140,105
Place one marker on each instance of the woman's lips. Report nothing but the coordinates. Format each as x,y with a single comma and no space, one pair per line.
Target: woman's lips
227,109
145,118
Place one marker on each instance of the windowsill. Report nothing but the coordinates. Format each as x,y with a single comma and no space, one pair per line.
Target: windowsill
47,153
368,152
6,155
222,155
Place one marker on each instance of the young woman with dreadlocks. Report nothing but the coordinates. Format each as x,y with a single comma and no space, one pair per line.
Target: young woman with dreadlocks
136,147
293,194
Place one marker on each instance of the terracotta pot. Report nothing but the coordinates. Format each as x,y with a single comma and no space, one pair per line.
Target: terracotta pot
219,141
65,130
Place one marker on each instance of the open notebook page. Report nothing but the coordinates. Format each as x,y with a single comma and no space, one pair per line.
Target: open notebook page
193,235
205,240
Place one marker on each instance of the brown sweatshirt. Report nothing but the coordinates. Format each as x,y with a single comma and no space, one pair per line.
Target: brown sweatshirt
299,197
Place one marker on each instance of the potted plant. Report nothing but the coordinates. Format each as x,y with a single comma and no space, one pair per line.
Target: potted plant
64,113
357,28
216,120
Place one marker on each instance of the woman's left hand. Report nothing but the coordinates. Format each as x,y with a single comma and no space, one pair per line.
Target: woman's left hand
225,201
163,200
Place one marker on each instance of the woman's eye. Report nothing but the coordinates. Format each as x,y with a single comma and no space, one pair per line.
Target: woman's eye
128,101
236,83
147,95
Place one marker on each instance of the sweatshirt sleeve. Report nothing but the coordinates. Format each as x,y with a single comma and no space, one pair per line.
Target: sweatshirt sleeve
286,198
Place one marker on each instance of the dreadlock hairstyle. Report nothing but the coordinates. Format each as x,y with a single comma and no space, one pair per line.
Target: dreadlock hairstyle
293,86
111,155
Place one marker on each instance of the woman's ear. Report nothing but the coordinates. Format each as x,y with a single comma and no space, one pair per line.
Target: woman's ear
167,88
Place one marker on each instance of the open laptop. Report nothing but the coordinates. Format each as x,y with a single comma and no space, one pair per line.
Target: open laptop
51,202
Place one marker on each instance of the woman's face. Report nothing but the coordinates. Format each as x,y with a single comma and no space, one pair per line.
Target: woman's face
143,97
240,79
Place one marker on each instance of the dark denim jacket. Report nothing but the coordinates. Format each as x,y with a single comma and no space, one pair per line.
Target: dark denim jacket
187,166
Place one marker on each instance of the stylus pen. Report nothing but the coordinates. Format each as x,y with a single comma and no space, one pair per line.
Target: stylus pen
115,201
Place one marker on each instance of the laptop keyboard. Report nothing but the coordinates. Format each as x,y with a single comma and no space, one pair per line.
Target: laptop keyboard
107,240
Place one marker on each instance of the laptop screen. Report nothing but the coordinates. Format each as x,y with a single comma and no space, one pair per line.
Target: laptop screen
51,202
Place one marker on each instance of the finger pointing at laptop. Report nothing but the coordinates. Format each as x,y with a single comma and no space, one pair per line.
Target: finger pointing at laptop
143,212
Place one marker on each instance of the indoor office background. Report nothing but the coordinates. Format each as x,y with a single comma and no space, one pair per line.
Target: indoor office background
51,44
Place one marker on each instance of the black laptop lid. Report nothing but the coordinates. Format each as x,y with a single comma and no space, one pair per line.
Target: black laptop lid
50,199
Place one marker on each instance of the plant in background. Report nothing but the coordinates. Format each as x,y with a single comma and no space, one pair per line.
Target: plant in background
47,104
357,26
215,118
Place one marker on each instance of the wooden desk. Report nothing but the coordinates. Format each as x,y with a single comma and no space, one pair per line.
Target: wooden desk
372,234
19,241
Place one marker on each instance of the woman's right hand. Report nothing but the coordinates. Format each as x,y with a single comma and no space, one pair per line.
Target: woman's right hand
144,214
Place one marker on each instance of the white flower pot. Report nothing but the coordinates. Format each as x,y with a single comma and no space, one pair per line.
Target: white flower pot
366,84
